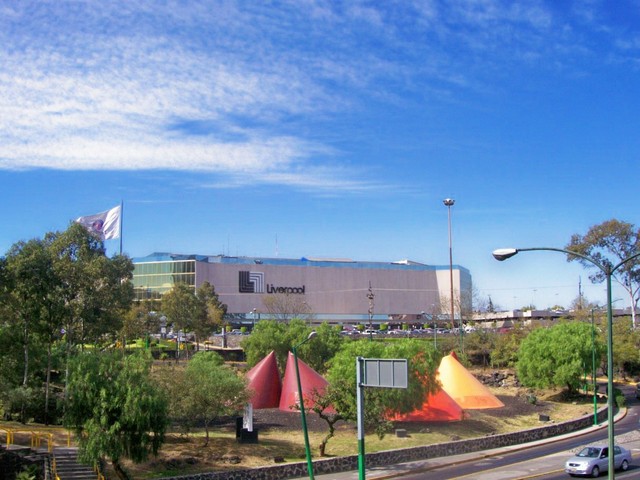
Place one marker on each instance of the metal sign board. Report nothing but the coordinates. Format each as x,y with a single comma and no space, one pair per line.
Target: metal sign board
385,373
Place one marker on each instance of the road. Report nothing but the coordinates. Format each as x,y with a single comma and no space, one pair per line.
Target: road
544,462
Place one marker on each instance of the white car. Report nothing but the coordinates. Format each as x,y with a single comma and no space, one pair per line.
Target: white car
595,459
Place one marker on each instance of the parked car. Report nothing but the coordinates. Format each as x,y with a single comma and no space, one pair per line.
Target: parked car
397,332
595,459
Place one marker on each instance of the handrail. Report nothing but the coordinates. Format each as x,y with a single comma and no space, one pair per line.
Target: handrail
9,435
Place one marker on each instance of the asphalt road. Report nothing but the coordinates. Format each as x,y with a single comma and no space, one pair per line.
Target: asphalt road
544,462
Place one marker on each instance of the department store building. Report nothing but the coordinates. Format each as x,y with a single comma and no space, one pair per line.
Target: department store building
340,291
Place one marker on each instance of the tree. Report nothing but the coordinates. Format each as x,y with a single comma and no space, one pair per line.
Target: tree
212,311
505,348
28,279
557,356
382,403
182,308
140,320
627,341
286,306
271,335
96,290
62,284
608,244
318,352
211,389
115,409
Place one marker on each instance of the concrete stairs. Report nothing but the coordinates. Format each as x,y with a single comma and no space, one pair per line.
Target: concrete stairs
68,468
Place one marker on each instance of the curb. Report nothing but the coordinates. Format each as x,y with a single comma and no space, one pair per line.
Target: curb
492,453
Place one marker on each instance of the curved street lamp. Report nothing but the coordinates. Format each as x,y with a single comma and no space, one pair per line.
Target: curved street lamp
502,254
305,431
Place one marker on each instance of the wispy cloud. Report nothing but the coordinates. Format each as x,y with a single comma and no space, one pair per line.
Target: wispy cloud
231,88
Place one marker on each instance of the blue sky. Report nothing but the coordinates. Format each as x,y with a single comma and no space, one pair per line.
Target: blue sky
328,129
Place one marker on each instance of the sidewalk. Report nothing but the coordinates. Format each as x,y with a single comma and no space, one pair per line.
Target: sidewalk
393,471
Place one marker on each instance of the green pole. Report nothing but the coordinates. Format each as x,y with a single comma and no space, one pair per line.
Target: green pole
505,253
360,409
610,395
303,414
593,370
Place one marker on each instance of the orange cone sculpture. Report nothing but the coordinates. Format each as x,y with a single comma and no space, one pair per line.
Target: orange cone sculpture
463,387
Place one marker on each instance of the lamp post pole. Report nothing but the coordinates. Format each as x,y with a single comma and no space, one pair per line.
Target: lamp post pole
370,296
608,270
449,202
303,414
593,369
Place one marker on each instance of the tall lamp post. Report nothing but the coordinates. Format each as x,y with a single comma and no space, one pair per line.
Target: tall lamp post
370,296
303,414
593,369
448,202
608,270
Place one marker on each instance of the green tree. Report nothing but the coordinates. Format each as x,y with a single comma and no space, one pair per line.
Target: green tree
610,243
318,352
627,345
212,311
140,320
557,356
272,335
96,290
115,409
506,346
382,403
479,345
210,390
182,308
29,289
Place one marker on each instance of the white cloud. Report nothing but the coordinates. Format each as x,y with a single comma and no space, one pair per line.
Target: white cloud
228,88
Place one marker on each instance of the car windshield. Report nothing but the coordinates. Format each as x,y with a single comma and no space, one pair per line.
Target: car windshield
590,452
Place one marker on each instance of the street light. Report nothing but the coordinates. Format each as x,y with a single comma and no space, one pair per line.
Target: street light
307,448
505,253
435,329
370,296
448,202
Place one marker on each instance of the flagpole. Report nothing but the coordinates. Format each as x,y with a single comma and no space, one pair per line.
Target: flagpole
121,220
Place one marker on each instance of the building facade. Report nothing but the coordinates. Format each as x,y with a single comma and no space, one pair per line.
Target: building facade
339,291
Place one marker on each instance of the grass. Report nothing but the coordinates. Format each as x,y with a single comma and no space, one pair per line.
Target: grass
184,454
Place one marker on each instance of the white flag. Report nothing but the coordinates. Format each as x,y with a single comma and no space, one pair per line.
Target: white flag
105,225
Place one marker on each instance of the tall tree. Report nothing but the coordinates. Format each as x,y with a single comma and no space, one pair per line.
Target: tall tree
115,408
182,308
212,311
32,299
96,290
609,243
